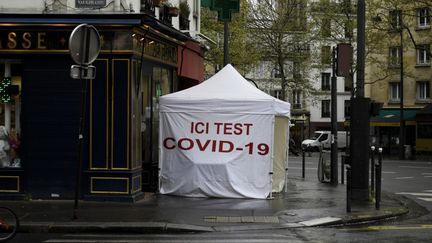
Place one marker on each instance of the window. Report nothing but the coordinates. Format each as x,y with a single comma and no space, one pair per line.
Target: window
395,19
423,54
394,88
277,93
296,99
424,130
325,81
423,19
348,30
326,28
423,90
325,108
394,56
347,108
326,55
11,107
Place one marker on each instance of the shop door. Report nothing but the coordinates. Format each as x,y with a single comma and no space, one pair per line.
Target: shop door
50,122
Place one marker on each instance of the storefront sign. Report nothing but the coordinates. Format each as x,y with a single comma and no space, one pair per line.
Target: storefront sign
23,40
90,3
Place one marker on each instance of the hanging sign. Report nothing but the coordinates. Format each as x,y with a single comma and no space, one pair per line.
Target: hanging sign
90,3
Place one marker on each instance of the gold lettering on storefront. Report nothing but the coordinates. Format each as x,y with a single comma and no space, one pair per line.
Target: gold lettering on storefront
41,40
12,43
24,40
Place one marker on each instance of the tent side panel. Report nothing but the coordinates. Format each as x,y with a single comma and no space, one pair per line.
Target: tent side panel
280,160
215,154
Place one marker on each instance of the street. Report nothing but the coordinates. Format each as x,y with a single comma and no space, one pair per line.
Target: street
410,181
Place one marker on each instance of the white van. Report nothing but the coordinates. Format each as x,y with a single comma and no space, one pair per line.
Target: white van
323,139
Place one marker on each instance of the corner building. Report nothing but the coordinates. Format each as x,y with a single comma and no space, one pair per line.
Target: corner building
141,59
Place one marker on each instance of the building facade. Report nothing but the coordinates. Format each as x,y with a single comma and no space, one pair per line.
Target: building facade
327,23
144,55
399,76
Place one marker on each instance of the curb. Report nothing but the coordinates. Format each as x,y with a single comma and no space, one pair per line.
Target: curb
161,227
126,227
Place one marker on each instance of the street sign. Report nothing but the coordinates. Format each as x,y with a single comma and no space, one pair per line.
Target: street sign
84,44
83,72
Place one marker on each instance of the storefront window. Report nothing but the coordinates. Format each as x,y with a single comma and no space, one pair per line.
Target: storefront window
162,85
10,112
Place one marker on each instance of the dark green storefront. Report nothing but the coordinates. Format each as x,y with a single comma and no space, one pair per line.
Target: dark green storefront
137,64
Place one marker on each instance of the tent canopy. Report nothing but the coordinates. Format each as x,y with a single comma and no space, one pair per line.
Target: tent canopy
226,91
217,139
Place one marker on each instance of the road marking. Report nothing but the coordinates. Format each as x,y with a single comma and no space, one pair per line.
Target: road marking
415,194
404,178
319,221
425,199
416,167
299,168
402,227
389,172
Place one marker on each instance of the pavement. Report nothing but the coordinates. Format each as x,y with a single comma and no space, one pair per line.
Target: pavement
306,203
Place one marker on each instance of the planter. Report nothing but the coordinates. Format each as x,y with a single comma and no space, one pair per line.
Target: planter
173,11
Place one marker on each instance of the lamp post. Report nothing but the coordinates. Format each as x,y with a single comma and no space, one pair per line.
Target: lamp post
401,98
400,27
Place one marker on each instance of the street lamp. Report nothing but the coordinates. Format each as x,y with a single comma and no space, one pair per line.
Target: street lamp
401,98
400,26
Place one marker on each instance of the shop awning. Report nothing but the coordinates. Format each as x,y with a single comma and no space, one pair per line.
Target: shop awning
193,67
391,118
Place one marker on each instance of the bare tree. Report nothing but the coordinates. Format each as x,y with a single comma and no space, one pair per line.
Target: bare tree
281,30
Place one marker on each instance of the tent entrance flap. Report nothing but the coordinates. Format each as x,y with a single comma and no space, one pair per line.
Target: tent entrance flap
280,153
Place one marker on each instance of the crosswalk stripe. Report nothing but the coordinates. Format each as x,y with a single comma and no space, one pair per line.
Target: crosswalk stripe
416,167
415,194
404,178
425,199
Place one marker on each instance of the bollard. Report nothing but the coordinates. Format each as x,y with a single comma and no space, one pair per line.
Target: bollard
348,202
372,170
342,168
303,163
378,167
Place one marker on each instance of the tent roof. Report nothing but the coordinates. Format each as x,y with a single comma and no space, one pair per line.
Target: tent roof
226,91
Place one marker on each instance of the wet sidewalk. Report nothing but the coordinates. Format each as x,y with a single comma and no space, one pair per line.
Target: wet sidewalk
306,203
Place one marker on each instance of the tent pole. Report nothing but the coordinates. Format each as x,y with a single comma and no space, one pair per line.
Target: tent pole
286,155
272,157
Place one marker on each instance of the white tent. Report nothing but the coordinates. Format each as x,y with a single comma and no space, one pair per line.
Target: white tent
223,138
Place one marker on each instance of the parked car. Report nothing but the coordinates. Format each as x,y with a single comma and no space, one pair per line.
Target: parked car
323,139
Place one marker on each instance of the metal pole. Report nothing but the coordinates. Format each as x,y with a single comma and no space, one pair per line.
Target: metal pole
85,45
401,88
334,138
372,170
342,168
348,189
226,44
80,143
303,163
361,25
378,167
